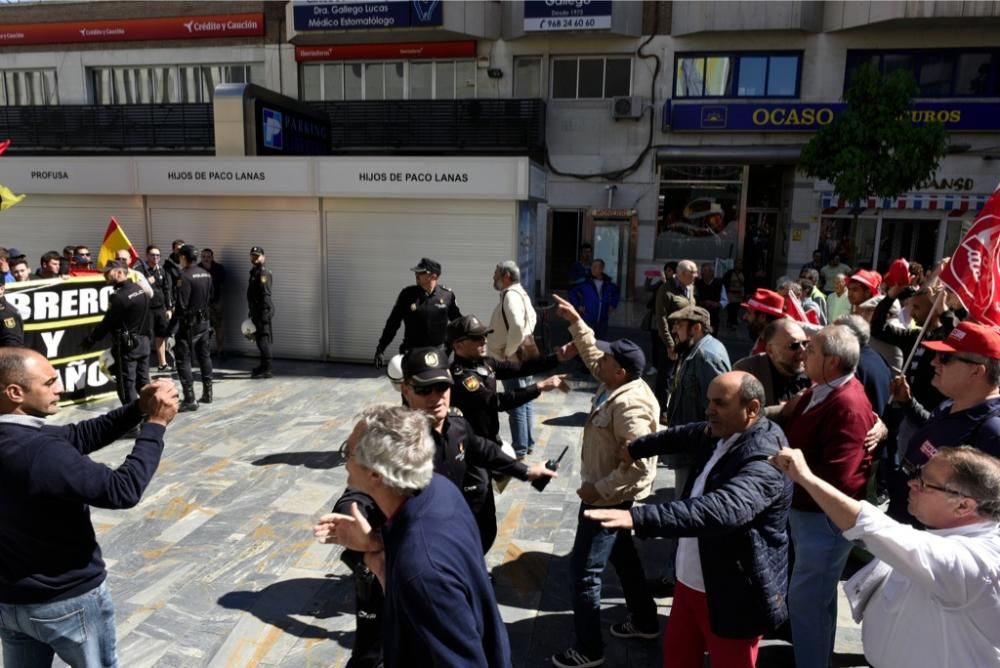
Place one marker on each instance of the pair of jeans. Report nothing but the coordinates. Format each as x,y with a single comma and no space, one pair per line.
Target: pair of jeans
80,630
593,548
521,418
820,554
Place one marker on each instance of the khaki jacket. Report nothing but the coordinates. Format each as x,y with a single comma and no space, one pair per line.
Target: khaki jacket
629,412
670,296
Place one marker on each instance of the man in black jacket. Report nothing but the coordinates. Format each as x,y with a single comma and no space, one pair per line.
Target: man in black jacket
52,576
732,557
189,325
261,309
11,324
161,303
127,321
475,394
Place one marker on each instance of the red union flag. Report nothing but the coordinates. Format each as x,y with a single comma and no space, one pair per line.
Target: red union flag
974,270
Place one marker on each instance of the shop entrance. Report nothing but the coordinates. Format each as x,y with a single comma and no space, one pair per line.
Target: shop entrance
914,239
565,234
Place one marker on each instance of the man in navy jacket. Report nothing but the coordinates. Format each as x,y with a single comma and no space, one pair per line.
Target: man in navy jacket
53,598
731,518
439,604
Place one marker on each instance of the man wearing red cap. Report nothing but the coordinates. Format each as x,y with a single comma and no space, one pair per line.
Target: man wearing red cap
862,286
967,373
763,308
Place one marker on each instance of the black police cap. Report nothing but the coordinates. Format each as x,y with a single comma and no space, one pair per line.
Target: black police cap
466,326
426,366
257,250
427,266
189,252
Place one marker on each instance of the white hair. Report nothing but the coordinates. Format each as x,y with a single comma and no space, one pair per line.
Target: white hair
687,265
510,269
841,342
397,444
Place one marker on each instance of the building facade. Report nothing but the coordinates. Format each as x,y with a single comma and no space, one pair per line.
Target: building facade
666,129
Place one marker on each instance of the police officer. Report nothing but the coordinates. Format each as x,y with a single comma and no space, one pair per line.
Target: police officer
190,328
425,309
261,309
161,302
475,395
11,324
127,321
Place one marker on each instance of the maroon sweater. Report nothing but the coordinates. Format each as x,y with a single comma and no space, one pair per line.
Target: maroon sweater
832,438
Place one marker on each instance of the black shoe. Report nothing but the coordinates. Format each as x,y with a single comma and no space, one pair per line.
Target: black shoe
261,373
628,630
661,588
574,659
188,407
164,367
206,393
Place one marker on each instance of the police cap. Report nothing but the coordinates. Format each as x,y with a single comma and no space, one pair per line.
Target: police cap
426,366
256,250
465,327
427,266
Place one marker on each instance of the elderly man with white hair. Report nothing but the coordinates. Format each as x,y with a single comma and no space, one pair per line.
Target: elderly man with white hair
439,604
672,295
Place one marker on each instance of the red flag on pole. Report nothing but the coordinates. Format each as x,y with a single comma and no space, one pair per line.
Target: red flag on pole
973,273
793,309
3,145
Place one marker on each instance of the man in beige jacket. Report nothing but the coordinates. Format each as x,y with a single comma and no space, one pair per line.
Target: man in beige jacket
624,408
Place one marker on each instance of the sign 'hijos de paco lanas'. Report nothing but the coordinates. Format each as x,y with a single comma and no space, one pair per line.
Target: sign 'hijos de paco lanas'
810,117
413,177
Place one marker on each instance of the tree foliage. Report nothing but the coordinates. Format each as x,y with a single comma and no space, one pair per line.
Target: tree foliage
873,148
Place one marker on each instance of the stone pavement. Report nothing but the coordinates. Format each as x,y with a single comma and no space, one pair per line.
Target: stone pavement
218,566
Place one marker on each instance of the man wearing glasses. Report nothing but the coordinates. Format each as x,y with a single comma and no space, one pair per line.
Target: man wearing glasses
930,598
781,367
967,373
82,265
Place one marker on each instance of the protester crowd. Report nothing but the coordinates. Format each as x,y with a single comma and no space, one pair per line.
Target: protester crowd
866,420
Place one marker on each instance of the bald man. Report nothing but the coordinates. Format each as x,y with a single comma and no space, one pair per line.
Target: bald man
731,518
51,571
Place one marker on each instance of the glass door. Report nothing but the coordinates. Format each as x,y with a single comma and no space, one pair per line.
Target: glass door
611,245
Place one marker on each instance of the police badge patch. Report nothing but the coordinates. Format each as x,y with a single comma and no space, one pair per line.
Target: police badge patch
9,323
413,307
431,359
471,383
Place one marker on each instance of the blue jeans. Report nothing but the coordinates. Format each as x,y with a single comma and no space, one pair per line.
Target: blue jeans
521,418
593,548
81,630
820,554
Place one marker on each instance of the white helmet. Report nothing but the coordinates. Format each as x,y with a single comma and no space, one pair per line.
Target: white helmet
106,363
394,370
249,329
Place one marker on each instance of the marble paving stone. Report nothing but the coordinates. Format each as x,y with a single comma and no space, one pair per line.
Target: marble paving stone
217,566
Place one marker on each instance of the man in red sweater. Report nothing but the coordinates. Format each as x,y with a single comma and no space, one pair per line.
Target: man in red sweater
828,424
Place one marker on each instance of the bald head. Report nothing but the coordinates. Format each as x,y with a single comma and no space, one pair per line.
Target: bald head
29,385
735,399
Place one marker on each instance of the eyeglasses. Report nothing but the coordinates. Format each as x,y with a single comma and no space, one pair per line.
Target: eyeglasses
798,345
427,390
946,358
918,477
345,452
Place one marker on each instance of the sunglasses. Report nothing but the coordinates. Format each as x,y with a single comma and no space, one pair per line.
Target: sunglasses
947,358
427,390
798,345
918,476
84,254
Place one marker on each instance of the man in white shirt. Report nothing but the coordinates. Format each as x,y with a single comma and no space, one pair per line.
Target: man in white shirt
732,556
513,319
931,598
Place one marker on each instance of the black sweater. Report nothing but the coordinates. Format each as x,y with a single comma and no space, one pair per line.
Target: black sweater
48,549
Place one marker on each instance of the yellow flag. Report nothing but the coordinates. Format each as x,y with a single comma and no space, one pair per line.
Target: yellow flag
8,198
114,241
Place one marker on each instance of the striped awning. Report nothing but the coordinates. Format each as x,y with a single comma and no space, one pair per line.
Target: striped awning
956,204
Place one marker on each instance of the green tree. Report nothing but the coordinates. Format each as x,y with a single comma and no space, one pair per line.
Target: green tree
873,148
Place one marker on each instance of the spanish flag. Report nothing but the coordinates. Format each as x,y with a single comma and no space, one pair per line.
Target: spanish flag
8,198
114,241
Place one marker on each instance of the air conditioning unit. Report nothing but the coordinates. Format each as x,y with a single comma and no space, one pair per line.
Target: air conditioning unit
627,107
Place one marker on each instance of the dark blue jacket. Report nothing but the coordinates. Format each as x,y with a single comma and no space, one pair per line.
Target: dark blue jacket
439,604
875,375
978,426
48,550
740,521
593,307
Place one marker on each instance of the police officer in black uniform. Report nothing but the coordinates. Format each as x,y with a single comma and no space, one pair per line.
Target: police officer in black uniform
127,321
190,328
425,309
261,309
11,324
475,395
161,302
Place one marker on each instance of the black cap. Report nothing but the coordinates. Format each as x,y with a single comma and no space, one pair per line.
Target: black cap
115,264
427,266
257,250
466,326
627,353
189,252
426,366
14,253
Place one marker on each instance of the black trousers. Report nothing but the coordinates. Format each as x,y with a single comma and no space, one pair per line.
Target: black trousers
132,370
198,343
263,340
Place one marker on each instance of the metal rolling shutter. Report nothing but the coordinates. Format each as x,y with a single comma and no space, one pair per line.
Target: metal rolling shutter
48,222
289,231
371,245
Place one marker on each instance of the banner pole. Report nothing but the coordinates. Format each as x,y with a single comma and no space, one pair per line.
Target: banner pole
935,310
